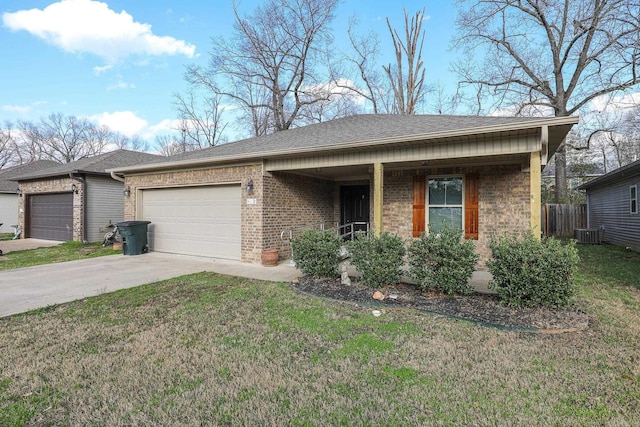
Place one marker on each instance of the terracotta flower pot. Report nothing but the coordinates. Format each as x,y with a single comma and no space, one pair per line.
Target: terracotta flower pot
270,257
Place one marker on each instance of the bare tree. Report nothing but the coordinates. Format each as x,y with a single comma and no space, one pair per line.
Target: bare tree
7,146
555,56
65,139
408,86
202,116
340,101
173,144
135,142
357,71
271,59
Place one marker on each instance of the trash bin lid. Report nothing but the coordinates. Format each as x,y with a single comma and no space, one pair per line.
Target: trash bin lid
132,223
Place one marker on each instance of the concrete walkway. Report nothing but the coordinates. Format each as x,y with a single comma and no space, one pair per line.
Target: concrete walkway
30,288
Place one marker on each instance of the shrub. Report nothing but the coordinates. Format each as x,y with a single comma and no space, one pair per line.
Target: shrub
443,261
378,259
317,253
528,272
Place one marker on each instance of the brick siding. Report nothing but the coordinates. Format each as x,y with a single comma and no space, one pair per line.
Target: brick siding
503,205
285,201
292,201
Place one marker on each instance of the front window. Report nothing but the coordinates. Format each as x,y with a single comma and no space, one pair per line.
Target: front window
633,193
445,203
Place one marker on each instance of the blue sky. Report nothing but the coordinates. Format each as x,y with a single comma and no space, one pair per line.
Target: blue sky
119,62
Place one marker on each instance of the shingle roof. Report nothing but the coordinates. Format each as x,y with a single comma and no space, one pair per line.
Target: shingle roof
9,186
352,129
96,165
631,169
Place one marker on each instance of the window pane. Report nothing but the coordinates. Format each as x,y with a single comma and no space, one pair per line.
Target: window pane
445,191
439,216
436,192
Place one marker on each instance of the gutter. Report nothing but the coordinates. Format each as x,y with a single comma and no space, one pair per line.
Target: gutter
116,177
550,122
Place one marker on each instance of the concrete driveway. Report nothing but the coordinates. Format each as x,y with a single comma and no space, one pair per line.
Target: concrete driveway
30,288
7,246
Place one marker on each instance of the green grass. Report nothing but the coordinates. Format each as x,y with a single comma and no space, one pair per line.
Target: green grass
6,236
207,349
68,251
613,265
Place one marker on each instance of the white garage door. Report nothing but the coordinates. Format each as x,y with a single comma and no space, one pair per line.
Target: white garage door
201,221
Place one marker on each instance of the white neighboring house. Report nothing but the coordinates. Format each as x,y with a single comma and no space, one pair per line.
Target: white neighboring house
8,194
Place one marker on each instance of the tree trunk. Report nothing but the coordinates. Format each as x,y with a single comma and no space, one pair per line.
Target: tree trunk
561,175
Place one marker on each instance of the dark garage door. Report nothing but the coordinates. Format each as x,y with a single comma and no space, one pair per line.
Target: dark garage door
51,216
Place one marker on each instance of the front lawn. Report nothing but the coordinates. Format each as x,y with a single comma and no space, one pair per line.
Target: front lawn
207,349
68,251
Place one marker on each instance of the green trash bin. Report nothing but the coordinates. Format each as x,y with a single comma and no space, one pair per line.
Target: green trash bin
134,237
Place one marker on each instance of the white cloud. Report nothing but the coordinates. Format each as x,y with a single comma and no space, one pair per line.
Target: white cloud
87,26
120,84
612,104
125,122
100,70
20,109
23,109
342,87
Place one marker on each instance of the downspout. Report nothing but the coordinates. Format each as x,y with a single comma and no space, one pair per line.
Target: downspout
116,177
84,204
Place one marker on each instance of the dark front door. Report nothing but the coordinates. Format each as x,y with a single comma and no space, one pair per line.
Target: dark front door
50,216
354,206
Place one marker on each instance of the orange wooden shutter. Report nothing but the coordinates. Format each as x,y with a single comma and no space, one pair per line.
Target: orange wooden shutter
419,191
472,194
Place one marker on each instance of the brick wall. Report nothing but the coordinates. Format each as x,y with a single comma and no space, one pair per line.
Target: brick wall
292,201
503,205
251,214
285,201
57,185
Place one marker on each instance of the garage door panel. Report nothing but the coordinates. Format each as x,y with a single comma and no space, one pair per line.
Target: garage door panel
201,221
51,216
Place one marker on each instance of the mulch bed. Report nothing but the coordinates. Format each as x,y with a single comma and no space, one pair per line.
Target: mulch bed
481,308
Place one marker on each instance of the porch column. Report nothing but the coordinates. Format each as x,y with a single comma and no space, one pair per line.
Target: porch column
535,183
378,185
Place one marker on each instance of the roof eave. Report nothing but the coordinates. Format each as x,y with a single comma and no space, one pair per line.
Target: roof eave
57,174
628,171
258,156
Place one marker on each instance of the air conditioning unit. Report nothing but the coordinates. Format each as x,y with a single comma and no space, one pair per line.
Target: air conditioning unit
588,235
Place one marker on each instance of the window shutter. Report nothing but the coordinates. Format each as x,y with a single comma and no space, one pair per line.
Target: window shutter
472,195
419,192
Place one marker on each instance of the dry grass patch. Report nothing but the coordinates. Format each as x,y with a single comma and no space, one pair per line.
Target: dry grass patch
207,349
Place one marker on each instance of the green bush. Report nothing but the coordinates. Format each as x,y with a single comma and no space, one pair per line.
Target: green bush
528,272
443,261
317,253
378,259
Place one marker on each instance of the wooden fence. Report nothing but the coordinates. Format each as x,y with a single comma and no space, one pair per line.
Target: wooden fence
561,220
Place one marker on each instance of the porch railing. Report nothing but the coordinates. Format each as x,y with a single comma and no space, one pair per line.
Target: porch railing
345,231
348,231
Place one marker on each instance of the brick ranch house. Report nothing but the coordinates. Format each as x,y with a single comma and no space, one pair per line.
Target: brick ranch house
398,173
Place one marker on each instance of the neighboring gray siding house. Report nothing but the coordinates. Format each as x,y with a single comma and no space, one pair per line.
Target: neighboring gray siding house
612,205
8,195
77,200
